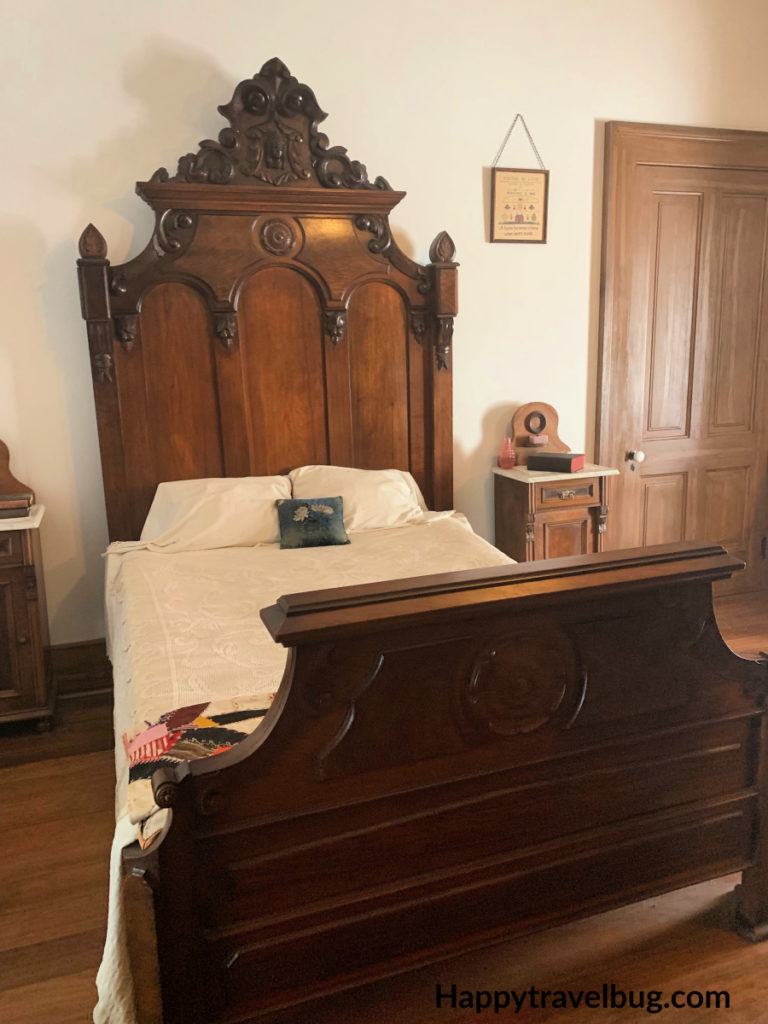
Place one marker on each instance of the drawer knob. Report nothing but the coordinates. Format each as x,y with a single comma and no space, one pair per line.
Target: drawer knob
566,495
22,640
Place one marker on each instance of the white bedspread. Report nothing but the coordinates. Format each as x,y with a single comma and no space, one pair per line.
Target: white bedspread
185,628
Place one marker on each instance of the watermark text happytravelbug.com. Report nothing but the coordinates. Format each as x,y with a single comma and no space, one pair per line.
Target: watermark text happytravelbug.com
607,997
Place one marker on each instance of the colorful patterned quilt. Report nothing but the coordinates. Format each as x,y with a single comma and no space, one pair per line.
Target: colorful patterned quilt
199,730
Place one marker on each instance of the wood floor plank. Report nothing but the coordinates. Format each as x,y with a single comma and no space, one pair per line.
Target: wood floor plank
55,884
53,958
57,788
64,1000
80,726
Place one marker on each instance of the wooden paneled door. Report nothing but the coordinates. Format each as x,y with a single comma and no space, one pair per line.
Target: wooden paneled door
684,339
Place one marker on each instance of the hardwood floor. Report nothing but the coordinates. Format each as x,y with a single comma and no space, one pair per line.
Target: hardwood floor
56,820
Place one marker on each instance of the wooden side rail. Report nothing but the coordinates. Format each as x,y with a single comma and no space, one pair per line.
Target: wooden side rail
454,760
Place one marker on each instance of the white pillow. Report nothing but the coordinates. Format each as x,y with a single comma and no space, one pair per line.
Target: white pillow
374,499
191,515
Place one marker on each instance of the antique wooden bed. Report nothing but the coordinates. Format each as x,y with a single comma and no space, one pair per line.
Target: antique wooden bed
450,760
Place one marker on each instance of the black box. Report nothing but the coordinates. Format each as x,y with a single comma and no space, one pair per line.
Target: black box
555,462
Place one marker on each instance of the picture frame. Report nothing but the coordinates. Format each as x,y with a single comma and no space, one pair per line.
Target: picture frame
519,198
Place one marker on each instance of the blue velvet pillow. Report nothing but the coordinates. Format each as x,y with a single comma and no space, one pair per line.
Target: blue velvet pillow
311,522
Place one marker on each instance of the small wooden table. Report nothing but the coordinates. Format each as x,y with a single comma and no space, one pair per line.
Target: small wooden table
551,515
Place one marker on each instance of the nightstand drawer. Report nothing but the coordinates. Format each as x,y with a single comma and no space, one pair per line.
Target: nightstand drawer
11,547
567,493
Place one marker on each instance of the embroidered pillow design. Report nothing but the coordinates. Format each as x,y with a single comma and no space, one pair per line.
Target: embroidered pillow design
311,522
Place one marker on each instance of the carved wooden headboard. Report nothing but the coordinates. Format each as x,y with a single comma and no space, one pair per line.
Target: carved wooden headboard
271,321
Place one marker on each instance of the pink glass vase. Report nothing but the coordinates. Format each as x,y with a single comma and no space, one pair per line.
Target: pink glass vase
507,455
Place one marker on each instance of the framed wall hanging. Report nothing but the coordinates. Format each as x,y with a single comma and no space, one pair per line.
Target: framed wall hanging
519,197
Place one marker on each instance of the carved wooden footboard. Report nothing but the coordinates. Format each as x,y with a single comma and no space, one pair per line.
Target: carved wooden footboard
456,759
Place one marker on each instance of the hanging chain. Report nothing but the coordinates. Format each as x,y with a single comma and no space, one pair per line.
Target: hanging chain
518,117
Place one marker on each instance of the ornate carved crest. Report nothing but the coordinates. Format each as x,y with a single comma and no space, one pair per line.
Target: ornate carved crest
273,139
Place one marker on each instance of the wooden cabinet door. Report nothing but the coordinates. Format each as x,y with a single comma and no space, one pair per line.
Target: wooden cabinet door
564,533
685,339
22,679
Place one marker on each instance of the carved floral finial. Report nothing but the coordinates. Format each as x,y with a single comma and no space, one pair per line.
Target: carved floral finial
442,249
92,244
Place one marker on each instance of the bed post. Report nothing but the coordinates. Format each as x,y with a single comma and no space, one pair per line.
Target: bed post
446,307
93,271
752,893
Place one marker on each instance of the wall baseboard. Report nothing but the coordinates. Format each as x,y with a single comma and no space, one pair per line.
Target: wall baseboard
81,667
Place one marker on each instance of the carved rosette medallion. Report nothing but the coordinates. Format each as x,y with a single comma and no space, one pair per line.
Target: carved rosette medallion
523,682
277,237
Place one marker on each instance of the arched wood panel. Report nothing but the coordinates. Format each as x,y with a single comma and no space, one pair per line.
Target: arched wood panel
281,332
179,379
378,356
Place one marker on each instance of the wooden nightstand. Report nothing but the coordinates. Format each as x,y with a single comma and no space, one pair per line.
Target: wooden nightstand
551,515
25,679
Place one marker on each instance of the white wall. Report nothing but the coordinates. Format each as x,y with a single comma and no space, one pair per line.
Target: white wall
97,95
